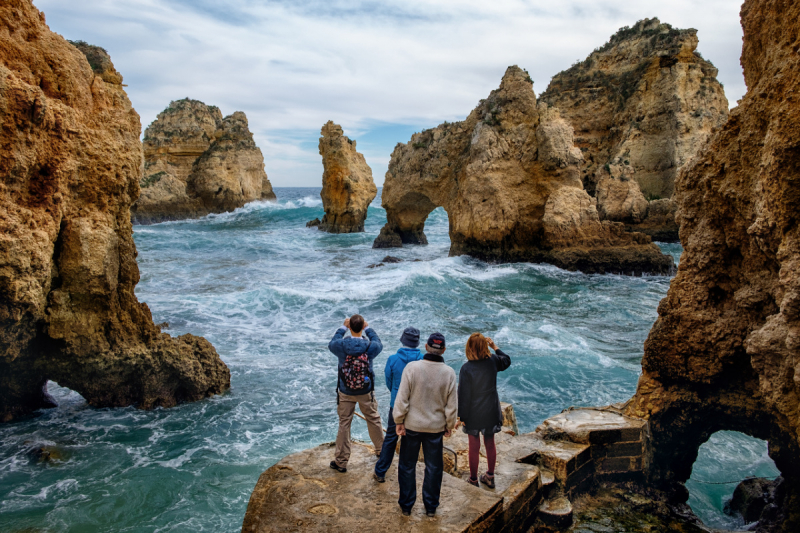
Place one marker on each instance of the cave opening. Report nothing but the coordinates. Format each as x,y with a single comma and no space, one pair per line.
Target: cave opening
437,229
64,396
723,462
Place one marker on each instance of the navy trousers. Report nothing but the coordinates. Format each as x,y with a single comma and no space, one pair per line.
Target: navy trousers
389,446
432,448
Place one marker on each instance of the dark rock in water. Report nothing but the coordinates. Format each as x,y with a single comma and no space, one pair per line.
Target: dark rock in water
45,454
751,497
391,259
375,265
313,223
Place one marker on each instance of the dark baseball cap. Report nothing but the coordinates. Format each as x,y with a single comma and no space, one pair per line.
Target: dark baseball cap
436,341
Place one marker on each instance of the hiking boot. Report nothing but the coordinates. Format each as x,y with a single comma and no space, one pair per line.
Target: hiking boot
379,479
430,513
488,480
473,482
406,512
337,467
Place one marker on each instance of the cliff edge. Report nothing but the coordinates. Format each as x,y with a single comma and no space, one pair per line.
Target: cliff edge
197,162
70,161
642,106
723,354
508,177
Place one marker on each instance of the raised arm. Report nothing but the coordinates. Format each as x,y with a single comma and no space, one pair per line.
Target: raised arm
335,345
375,345
501,360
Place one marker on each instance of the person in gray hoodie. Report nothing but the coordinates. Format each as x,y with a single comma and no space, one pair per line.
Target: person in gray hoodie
394,372
425,411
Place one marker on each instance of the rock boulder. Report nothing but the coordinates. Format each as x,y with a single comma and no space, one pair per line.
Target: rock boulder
70,163
347,186
508,177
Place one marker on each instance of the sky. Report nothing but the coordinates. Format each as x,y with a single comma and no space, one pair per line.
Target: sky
381,69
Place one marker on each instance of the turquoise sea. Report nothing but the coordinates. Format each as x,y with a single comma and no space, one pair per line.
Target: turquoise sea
269,293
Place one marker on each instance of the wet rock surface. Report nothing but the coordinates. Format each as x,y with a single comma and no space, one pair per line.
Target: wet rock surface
723,353
508,177
642,106
347,185
197,162
70,161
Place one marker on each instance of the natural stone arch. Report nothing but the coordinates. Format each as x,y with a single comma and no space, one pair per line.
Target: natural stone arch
723,353
508,178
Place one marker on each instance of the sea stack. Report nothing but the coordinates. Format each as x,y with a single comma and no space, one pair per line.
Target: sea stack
70,164
642,105
197,162
347,186
723,354
509,178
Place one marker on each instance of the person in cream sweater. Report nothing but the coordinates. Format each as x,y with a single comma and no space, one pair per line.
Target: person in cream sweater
425,411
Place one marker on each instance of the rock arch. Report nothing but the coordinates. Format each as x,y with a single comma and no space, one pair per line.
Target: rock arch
723,353
508,178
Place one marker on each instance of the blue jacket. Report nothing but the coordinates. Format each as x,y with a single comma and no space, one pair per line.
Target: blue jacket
395,366
342,347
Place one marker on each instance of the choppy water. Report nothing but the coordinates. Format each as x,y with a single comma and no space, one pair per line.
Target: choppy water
269,293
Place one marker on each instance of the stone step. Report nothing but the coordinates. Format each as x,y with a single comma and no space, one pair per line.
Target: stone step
548,482
555,513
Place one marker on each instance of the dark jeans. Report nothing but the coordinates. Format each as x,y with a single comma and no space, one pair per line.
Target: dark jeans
389,446
432,448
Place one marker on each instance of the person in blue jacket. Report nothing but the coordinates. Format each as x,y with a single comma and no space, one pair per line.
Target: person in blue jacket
355,385
394,371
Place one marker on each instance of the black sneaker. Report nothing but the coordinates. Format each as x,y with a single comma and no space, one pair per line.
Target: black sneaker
337,467
378,478
406,512
429,513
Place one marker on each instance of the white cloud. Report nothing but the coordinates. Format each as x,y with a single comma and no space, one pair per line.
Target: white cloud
291,66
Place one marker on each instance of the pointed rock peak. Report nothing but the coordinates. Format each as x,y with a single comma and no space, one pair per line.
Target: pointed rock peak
331,129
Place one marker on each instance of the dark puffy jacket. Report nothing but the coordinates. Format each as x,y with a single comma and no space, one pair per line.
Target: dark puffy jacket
478,402
395,366
342,347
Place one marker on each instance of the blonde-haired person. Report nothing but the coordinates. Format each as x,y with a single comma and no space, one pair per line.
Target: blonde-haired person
479,403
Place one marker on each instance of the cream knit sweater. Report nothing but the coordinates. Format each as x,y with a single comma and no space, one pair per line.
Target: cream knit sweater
427,400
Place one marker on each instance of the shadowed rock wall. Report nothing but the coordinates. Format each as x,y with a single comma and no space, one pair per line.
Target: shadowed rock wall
70,162
508,177
724,352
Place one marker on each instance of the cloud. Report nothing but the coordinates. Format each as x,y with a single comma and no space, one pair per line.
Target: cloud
380,69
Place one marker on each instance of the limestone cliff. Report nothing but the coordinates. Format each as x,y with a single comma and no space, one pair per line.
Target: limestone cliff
642,105
197,162
508,177
347,186
723,354
70,163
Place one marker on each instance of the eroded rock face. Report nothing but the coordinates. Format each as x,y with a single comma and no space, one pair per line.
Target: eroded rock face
723,354
197,162
642,106
70,161
347,186
508,177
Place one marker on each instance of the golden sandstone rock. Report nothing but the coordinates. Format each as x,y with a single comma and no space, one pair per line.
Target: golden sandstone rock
197,162
347,186
508,177
723,354
70,162
642,105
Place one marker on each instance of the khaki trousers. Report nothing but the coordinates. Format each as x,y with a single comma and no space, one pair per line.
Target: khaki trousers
346,409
